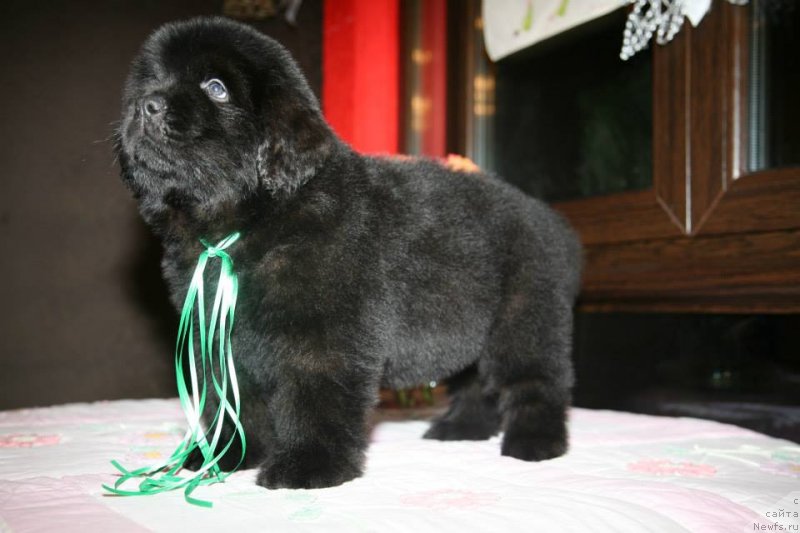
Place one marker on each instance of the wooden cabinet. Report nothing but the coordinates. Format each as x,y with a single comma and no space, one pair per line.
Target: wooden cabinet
709,234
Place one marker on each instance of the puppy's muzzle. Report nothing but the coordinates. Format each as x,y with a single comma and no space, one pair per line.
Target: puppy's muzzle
153,111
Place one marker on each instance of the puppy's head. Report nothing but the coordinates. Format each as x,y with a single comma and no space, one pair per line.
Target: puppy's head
214,111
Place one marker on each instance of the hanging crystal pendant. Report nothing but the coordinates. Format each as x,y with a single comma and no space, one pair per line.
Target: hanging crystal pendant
662,18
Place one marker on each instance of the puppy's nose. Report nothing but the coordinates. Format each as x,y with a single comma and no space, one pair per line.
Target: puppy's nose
154,105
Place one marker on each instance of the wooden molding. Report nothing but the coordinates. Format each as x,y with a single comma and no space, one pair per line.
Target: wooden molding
716,273
622,217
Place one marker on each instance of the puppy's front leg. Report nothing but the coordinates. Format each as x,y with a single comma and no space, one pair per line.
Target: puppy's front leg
318,411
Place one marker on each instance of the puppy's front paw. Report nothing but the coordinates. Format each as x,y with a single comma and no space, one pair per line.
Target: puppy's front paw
311,469
531,447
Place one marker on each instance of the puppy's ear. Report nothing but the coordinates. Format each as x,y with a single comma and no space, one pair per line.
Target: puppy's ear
293,150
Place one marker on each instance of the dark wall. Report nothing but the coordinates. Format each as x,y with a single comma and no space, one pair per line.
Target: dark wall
83,314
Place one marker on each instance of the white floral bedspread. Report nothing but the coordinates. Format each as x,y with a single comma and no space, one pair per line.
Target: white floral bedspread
624,472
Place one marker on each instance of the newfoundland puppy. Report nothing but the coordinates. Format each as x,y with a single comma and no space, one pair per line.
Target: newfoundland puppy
355,272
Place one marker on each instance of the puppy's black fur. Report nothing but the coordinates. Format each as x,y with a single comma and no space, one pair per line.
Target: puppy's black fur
355,272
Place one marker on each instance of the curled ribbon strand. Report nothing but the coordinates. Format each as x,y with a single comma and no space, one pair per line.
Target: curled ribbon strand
165,476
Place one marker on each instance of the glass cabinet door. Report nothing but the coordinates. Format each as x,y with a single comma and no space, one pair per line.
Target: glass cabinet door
572,119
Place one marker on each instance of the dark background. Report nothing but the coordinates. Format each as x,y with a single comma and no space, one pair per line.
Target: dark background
83,313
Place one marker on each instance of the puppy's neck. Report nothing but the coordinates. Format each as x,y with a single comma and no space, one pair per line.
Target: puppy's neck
187,220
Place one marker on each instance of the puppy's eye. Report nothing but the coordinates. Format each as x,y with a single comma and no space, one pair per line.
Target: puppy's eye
215,89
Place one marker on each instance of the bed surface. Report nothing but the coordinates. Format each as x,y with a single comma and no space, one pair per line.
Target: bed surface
624,472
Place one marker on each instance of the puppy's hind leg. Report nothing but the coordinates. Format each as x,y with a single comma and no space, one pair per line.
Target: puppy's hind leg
529,361
472,414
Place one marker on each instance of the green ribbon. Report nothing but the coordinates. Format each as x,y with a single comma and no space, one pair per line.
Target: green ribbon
165,476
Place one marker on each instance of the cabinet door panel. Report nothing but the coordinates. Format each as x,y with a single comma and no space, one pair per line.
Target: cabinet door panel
710,95
731,244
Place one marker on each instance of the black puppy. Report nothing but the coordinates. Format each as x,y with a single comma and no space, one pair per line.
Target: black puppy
355,272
